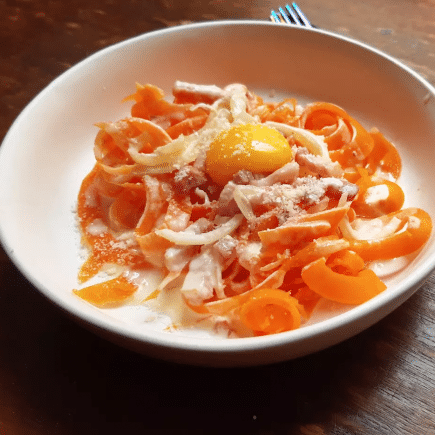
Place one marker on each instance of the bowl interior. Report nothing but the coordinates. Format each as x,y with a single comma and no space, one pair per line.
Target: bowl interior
48,151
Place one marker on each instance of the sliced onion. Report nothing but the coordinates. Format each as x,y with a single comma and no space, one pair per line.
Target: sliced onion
370,229
243,203
287,174
163,156
204,277
212,91
189,238
314,143
184,149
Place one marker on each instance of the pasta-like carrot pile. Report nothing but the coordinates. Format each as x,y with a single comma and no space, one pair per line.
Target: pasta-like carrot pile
253,210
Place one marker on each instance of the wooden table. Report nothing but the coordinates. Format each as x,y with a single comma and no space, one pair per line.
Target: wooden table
57,378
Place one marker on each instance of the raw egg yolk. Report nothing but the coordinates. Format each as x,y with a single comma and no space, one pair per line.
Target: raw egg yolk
253,147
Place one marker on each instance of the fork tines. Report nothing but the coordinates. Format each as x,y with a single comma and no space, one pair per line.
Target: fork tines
290,15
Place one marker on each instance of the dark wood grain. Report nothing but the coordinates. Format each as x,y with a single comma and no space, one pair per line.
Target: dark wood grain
58,378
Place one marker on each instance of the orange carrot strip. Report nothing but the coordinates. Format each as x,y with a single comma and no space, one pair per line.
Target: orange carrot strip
220,307
319,115
284,112
147,101
362,139
270,311
105,250
86,212
333,216
103,246
346,262
110,292
293,234
187,126
321,247
307,298
366,208
107,151
304,228
114,139
336,287
128,206
416,234
341,135
153,248
292,281
384,156
155,206
150,103
178,213
351,174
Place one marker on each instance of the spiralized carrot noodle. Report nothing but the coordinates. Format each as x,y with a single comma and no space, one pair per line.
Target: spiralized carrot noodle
253,211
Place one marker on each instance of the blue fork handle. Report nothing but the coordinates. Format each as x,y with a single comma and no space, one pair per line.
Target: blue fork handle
291,15
295,18
302,16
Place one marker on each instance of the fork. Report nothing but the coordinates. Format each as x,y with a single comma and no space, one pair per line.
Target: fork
290,15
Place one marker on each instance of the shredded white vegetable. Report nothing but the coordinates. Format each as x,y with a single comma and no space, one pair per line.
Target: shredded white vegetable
204,277
315,144
372,229
243,202
190,238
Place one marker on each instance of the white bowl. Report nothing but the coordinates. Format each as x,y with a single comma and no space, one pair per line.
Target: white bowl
48,151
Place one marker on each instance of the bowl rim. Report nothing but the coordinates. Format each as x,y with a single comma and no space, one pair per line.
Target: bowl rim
163,339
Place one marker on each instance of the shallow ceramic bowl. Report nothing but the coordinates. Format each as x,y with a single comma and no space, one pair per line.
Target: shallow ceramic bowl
48,151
